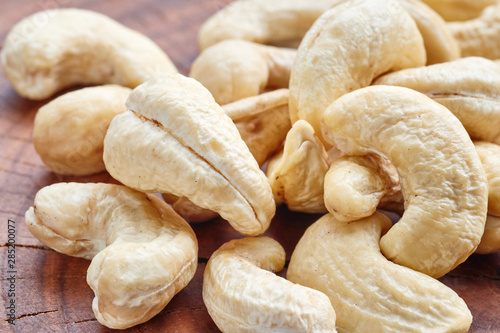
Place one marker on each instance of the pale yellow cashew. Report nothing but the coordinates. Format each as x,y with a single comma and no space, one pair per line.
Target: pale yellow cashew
442,179
57,48
241,295
297,177
368,292
142,252
468,87
459,10
69,131
174,138
346,48
235,69
479,36
490,242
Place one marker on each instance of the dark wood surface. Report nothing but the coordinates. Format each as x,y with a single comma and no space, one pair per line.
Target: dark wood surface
51,292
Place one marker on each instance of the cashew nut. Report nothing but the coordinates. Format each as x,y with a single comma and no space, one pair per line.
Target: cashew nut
142,252
468,87
235,69
479,37
174,138
69,131
459,10
368,292
442,179
491,238
242,296
355,185
77,47
345,49
298,177
188,210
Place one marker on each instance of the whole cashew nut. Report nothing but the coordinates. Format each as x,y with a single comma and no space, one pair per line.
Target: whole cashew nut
468,87
459,10
235,69
242,296
142,252
430,150
174,138
77,47
368,292
346,48
69,131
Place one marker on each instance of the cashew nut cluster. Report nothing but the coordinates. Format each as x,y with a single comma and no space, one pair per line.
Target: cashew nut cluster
69,131
174,138
235,69
468,87
243,295
442,179
346,49
459,10
368,292
142,252
77,47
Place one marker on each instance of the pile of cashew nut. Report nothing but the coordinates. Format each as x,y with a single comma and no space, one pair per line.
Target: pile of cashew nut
372,105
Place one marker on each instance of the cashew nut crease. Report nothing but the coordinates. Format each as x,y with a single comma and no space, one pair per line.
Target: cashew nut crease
468,87
174,138
345,49
368,292
459,10
142,252
69,131
355,185
243,295
77,47
235,69
297,179
479,37
442,179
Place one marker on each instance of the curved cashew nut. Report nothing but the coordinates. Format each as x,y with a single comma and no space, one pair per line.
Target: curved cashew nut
69,131
355,185
174,138
235,69
345,49
242,296
468,87
430,150
77,46
142,252
298,177
459,10
368,292
479,37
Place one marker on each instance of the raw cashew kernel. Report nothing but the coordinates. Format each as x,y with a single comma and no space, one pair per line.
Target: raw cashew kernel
174,138
490,242
368,292
188,210
442,179
297,177
459,10
468,87
69,131
235,69
142,252
346,48
77,47
241,295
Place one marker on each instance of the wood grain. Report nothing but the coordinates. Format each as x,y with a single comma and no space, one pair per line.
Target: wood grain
51,292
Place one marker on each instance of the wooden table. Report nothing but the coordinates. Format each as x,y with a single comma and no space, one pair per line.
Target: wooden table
51,294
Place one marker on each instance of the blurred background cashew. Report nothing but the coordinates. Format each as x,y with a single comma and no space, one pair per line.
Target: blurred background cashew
459,10
142,252
69,131
77,47
443,182
235,69
243,295
368,292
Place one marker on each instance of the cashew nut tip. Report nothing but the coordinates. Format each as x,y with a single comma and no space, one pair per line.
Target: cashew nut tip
69,131
174,138
235,69
243,295
54,49
431,150
142,252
